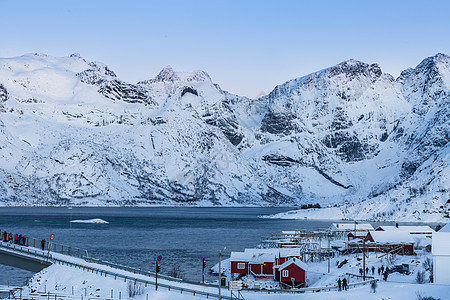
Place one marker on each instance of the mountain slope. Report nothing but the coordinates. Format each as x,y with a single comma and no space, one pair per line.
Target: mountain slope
350,136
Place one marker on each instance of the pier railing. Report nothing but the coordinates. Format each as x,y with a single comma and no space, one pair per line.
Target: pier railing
134,279
49,245
25,250
144,272
314,289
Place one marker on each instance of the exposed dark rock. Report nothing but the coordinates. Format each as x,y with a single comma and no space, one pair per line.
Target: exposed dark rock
189,90
384,137
3,93
328,177
280,160
118,90
340,120
353,69
348,146
277,123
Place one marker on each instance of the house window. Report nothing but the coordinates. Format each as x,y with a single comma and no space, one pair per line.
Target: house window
241,266
285,273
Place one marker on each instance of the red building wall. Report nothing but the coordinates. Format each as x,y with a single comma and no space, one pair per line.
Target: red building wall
294,271
268,268
234,268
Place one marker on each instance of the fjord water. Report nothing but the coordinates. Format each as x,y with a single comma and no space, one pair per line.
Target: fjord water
135,236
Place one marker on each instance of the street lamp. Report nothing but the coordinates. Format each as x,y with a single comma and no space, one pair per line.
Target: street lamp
70,231
220,271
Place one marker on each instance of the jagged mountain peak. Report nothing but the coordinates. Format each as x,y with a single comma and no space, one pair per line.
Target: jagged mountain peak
351,69
169,75
355,68
438,62
441,57
76,55
102,69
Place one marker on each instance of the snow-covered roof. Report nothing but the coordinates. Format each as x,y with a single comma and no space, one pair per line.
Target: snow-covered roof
351,226
446,228
239,256
289,232
392,237
263,255
294,260
441,243
260,258
407,228
253,257
282,252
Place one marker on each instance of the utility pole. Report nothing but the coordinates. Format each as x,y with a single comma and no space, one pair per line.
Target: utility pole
70,231
157,271
329,252
364,259
220,272
203,270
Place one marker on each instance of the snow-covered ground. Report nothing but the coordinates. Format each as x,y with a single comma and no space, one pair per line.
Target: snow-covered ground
73,282
63,280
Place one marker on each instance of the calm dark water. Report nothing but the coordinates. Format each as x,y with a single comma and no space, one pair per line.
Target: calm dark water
135,236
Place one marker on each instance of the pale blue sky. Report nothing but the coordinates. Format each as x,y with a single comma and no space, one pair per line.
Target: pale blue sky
247,47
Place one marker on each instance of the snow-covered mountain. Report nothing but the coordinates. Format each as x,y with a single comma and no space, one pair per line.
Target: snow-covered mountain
350,136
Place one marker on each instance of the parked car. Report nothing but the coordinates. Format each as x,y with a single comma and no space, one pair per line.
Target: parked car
402,269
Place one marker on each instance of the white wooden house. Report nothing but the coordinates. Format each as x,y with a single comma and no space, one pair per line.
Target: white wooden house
441,255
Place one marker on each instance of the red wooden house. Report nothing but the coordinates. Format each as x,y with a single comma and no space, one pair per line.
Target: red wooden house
359,235
260,262
292,271
389,241
414,230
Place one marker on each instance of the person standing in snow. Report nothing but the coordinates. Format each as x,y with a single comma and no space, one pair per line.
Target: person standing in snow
373,270
382,269
344,284
43,245
373,286
379,271
339,284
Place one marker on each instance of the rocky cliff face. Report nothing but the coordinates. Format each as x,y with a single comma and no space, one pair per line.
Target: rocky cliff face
349,136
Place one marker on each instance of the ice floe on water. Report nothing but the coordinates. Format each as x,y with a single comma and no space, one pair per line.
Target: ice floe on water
91,221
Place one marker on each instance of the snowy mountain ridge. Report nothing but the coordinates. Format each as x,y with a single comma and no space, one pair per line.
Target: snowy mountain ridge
350,137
